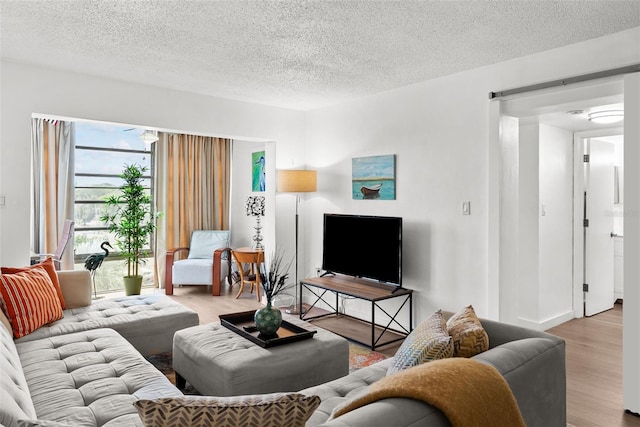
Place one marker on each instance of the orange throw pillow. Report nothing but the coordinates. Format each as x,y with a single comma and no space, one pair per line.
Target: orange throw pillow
49,267
30,300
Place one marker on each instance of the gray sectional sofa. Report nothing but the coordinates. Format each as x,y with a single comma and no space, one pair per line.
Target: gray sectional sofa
88,368
532,362
82,371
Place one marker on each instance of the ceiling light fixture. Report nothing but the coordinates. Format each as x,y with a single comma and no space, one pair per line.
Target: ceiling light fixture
607,116
149,136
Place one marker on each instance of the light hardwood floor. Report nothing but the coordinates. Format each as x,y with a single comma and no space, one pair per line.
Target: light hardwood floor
594,355
594,370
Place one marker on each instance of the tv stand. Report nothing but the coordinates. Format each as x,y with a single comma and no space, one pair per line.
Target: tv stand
381,334
328,273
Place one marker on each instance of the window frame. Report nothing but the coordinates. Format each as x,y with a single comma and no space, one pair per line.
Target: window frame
78,258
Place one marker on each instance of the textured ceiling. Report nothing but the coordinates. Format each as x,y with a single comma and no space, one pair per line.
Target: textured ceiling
295,54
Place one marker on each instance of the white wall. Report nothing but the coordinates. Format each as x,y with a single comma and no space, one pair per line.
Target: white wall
555,273
243,226
439,131
436,133
542,208
506,270
528,226
631,312
26,90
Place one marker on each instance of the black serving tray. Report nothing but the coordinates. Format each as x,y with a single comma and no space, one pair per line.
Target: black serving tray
242,324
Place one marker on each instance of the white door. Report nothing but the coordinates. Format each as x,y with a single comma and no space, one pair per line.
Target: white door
599,243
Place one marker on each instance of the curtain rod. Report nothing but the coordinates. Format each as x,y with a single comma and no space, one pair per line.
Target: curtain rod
563,82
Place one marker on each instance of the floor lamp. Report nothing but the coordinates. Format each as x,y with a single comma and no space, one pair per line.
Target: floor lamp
296,181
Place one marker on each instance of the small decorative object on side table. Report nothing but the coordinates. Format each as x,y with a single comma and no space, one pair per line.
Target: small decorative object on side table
255,207
273,281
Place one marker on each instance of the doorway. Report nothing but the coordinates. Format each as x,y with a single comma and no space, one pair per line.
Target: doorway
602,201
500,239
524,168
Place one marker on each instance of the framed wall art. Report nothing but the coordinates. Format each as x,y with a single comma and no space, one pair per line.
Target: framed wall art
373,177
257,171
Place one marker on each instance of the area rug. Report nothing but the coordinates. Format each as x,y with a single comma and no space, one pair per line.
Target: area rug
359,357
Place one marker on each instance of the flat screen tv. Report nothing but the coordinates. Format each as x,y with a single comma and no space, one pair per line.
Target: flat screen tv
368,247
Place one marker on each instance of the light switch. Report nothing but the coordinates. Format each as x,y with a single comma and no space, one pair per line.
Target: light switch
3,201
466,208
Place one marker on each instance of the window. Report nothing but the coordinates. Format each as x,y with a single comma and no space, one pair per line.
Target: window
101,152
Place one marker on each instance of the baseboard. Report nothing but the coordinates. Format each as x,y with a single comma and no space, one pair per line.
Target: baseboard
548,323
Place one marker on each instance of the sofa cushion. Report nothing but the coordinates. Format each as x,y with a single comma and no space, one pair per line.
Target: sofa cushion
4,320
469,337
205,242
89,378
76,287
49,267
41,423
430,340
267,410
146,321
194,271
30,300
15,400
336,392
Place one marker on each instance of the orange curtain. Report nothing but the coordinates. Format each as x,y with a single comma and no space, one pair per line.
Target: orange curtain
192,188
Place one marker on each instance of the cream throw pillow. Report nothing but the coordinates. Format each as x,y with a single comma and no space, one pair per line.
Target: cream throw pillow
267,410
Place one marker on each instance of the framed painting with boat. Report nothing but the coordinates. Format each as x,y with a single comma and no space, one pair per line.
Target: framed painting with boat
373,177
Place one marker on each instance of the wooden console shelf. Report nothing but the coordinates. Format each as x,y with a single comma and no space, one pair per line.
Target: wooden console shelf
365,290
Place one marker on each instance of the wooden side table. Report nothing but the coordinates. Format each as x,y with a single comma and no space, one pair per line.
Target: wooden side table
253,257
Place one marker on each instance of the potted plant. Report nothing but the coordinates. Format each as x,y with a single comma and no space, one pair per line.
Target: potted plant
128,216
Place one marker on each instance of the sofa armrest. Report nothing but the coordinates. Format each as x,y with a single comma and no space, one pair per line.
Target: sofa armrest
398,412
76,287
535,370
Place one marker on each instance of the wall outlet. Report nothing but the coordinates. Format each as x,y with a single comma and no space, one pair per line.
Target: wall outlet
466,208
3,200
318,270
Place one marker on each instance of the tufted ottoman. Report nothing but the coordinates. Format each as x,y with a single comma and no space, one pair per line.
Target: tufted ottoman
219,362
88,378
146,321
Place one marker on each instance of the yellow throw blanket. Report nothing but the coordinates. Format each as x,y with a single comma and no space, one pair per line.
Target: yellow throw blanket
469,393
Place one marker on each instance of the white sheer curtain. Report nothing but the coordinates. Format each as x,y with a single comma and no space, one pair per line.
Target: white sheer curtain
52,151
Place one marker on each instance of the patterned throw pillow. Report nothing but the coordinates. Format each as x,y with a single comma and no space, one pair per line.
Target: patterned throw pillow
49,267
428,341
469,337
30,300
268,410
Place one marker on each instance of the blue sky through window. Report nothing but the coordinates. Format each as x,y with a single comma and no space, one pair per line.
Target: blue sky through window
108,136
